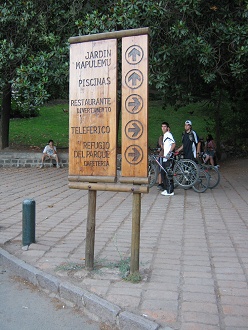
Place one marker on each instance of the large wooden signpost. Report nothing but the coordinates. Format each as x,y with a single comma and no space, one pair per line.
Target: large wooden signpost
93,78
93,126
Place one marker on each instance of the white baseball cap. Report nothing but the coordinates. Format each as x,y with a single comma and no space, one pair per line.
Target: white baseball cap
188,122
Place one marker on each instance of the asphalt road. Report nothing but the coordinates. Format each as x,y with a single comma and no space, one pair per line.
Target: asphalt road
24,307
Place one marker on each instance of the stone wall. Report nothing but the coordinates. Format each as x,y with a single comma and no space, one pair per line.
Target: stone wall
33,159
28,159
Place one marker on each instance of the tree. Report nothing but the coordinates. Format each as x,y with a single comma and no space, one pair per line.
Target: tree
204,55
198,49
34,54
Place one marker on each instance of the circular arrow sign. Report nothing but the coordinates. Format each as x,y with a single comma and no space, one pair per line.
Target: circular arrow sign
133,129
134,54
134,155
134,103
134,79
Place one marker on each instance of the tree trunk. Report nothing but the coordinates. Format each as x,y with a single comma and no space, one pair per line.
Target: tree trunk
5,116
218,126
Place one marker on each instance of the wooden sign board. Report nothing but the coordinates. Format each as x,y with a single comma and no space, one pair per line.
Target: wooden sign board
134,106
93,99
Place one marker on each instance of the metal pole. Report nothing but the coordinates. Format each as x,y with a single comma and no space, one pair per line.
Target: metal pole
90,230
28,222
135,245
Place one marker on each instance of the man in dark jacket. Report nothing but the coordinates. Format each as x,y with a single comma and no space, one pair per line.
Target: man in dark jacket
190,142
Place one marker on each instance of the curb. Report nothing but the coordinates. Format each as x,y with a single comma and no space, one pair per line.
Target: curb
95,307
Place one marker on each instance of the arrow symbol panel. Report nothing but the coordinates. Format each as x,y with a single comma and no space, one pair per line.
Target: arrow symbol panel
134,129
134,79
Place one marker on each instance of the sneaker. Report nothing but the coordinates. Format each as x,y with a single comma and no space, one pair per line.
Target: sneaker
58,166
165,193
42,165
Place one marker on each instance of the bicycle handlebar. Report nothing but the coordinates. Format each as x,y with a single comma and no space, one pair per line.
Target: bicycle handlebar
156,150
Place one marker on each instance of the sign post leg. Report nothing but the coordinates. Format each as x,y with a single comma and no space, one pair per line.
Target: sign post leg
90,230
135,245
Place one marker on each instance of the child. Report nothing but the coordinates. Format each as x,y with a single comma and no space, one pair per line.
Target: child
50,152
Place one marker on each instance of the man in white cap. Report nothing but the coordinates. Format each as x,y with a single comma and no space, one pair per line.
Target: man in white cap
190,142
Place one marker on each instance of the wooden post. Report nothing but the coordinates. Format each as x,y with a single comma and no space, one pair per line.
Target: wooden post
90,230
135,245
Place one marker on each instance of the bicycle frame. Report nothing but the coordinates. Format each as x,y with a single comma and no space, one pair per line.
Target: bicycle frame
164,168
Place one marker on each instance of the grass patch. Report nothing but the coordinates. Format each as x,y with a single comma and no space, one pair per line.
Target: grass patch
197,113
53,123
134,278
123,267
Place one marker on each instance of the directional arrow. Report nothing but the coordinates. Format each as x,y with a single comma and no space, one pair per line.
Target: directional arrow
133,53
135,104
135,129
134,77
135,154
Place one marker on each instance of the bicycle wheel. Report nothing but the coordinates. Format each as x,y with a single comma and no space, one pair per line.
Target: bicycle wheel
186,173
175,183
202,183
214,175
152,174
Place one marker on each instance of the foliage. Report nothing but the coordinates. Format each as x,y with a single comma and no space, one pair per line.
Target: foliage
194,44
201,48
134,278
198,49
34,49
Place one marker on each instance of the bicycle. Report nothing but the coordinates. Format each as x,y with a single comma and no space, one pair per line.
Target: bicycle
203,181
213,172
153,169
185,172
209,177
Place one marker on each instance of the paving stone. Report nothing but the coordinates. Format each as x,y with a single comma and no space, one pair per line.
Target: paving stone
193,258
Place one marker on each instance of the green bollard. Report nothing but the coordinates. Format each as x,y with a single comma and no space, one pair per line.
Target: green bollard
28,222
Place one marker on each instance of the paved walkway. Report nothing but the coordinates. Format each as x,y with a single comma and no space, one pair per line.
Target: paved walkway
193,253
